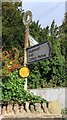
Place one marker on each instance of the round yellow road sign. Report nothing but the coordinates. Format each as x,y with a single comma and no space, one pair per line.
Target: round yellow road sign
24,72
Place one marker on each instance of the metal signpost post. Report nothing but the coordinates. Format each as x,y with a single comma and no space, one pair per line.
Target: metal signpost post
25,53
27,18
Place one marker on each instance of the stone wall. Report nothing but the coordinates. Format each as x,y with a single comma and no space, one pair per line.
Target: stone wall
53,109
53,94
56,101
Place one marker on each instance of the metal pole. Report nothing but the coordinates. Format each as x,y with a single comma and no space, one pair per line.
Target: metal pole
25,52
25,45
27,18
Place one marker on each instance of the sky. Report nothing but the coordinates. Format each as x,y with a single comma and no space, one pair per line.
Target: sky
46,11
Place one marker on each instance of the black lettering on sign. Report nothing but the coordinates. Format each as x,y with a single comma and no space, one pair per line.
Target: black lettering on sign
30,55
33,58
39,56
34,49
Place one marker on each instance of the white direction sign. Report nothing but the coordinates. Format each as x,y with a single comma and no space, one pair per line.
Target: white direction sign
39,52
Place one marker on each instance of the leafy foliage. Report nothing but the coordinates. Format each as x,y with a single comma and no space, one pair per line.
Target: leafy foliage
12,26
51,72
13,90
11,61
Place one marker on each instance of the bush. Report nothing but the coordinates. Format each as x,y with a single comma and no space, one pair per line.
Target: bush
13,90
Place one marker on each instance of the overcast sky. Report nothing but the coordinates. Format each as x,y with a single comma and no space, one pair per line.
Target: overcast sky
46,11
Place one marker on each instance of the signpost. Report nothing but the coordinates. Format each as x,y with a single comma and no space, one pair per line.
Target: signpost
39,52
34,53
24,71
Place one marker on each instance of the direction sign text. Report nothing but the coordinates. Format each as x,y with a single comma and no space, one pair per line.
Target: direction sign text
39,51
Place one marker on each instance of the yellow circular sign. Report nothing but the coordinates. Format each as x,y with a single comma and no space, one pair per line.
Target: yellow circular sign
24,72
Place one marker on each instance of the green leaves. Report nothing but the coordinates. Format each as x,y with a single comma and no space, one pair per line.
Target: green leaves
12,25
12,87
13,90
51,71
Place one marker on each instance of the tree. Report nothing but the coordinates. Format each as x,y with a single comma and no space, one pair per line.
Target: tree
63,36
12,25
51,72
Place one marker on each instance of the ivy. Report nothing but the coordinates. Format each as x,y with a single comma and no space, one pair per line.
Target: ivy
13,90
